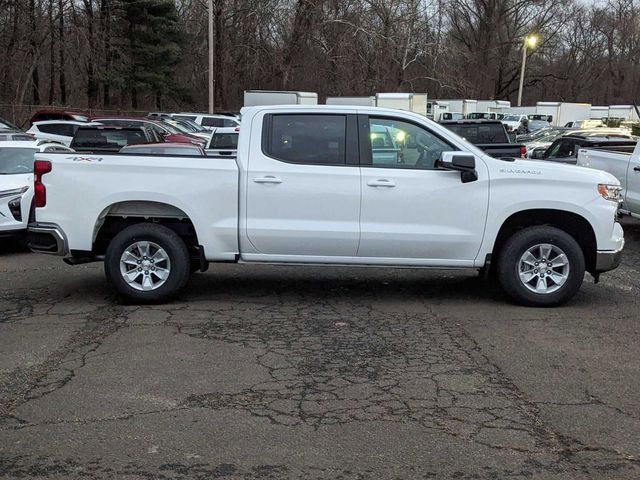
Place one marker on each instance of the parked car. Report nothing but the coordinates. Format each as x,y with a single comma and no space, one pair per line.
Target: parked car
109,139
165,131
447,116
307,189
224,141
565,149
540,133
513,123
16,182
582,124
7,125
176,149
488,135
625,166
44,115
541,144
209,120
61,131
482,116
14,136
537,117
187,129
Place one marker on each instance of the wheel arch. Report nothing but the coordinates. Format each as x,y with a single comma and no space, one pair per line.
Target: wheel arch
119,215
570,222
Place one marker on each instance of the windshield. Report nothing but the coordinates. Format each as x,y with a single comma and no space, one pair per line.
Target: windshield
4,124
196,128
511,118
15,160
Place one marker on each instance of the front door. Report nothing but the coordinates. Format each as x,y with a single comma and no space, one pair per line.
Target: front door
632,194
411,209
303,191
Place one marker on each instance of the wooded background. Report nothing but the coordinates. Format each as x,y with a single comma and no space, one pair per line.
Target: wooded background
152,54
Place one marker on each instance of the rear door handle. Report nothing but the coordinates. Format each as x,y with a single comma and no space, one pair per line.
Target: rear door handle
381,182
267,179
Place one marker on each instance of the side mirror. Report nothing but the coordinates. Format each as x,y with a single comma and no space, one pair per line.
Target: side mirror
463,162
538,154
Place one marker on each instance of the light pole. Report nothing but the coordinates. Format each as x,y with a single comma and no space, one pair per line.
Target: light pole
211,101
529,41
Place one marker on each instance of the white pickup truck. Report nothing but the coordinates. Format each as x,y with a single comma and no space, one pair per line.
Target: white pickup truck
313,185
625,166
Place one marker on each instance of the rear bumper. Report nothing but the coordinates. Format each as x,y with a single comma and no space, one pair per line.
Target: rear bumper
47,238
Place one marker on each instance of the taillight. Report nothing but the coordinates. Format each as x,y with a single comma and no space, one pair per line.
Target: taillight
523,151
40,167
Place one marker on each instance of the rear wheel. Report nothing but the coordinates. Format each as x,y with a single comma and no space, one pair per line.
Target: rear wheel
541,266
147,263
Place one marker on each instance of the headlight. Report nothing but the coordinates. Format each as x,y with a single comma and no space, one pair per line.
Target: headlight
610,192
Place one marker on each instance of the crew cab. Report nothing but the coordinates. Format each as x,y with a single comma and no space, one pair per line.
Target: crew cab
306,188
625,166
488,135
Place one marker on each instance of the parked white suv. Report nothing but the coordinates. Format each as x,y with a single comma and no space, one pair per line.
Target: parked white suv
61,131
307,188
16,181
209,121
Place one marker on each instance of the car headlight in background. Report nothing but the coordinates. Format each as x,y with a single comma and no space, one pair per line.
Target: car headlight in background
15,209
610,192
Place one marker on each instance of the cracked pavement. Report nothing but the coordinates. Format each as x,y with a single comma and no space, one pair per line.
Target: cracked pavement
265,372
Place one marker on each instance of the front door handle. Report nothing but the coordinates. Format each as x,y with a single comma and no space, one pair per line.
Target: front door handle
267,179
636,169
381,182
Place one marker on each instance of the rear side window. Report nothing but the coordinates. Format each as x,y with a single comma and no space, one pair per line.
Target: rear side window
64,129
227,141
307,139
228,122
214,122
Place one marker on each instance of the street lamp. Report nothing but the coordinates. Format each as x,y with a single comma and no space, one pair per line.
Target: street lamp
530,41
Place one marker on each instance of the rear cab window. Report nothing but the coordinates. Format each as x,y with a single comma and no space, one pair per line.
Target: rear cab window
311,139
226,141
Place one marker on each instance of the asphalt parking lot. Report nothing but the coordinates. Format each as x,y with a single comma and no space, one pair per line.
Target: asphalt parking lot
277,372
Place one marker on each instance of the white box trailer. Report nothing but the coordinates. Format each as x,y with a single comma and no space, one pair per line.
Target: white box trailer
564,112
253,98
497,106
463,106
599,111
436,108
419,104
401,101
528,110
357,101
628,112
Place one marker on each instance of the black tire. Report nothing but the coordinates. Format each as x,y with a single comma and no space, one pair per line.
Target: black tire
169,241
509,265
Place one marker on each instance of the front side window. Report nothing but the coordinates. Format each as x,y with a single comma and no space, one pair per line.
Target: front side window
307,138
399,144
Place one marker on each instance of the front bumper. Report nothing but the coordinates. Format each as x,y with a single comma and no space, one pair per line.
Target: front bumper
47,238
608,260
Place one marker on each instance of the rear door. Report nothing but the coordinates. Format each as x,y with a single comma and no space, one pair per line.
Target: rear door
413,212
303,191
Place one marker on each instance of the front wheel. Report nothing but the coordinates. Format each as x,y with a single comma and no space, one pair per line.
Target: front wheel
541,266
147,263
